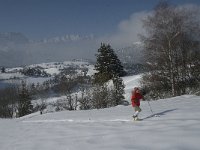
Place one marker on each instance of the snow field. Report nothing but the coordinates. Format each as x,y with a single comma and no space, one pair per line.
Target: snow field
177,128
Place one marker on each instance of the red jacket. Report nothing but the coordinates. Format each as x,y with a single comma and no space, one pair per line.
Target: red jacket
135,99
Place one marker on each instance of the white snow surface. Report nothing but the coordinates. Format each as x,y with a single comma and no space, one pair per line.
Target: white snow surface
7,76
177,128
52,68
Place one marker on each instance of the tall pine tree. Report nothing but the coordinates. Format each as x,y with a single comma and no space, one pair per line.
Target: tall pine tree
108,65
24,106
118,90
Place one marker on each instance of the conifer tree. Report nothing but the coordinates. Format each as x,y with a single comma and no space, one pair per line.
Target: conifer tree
118,90
24,106
3,70
108,65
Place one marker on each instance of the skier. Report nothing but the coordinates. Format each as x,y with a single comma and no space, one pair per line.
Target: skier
135,99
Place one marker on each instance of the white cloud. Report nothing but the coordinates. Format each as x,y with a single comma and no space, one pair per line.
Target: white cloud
128,31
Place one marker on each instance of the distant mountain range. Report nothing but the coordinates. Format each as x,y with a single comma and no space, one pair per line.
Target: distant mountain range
16,49
67,38
12,38
19,38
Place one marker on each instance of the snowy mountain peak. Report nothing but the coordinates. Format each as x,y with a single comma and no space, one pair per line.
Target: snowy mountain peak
67,38
13,37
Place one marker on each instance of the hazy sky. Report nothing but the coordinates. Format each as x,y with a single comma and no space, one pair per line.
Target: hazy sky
117,22
46,18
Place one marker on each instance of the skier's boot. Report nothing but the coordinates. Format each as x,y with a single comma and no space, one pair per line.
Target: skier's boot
138,119
135,117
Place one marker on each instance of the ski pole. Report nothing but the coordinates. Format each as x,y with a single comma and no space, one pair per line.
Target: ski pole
156,115
150,108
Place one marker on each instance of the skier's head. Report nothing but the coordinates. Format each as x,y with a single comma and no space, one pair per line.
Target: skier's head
136,90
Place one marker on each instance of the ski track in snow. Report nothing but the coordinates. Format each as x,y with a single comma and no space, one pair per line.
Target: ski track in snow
76,121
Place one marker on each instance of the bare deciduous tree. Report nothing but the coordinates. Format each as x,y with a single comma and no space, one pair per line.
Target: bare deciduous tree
172,47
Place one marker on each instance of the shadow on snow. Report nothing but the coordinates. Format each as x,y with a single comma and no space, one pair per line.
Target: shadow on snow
160,113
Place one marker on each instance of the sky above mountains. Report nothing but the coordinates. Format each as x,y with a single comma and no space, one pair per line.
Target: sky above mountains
70,29
39,19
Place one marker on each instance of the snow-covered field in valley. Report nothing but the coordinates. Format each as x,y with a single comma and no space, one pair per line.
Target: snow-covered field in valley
176,128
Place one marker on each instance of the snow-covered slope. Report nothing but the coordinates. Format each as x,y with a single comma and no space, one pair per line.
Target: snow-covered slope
14,75
52,68
177,128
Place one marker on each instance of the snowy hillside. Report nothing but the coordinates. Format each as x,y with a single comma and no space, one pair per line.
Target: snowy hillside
52,68
177,128
14,75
